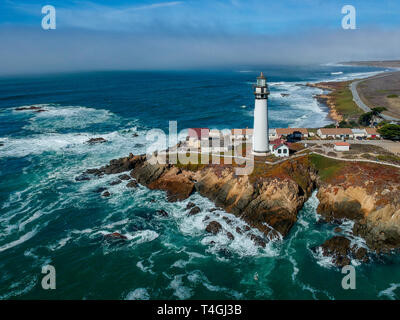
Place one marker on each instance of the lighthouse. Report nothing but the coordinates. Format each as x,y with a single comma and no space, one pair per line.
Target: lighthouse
260,133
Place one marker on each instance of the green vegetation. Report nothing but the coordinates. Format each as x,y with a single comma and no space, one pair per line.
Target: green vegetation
366,118
392,96
389,158
344,124
344,103
390,131
327,168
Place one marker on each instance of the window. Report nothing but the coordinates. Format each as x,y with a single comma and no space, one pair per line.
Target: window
284,150
279,151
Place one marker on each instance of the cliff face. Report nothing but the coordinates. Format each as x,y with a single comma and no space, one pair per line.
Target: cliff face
369,195
268,201
269,198
269,204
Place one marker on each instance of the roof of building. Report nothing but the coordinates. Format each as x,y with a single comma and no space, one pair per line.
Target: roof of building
286,131
342,144
198,132
261,76
359,131
371,130
277,146
336,131
277,141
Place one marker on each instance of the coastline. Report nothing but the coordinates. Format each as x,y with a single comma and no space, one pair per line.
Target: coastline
339,99
327,99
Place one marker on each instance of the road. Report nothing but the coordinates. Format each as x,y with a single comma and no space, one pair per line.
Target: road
361,104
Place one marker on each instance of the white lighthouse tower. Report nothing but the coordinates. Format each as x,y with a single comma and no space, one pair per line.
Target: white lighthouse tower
260,133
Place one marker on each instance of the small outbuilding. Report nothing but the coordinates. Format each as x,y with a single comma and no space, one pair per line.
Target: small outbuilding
342,146
279,148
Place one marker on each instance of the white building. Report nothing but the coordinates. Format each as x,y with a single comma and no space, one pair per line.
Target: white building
335,133
260,134
372,133
279,148
359,133
272,134
342,146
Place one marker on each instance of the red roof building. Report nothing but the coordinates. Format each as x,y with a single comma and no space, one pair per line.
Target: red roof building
199,133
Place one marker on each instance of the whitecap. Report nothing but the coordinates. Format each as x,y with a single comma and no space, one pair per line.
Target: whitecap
138,294
180,291
20,240
390,292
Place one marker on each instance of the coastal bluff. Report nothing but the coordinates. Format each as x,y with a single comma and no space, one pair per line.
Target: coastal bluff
270,198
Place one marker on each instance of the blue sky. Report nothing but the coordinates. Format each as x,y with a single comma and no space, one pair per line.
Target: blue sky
232,16
162,34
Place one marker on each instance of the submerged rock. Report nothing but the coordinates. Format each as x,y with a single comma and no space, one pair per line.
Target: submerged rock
96,140
258,240
339,249
162,213
106,194
190,205
132,184
115,236
115,182
100,189
194,210
214,227
124,177
35,108
82,177
230,236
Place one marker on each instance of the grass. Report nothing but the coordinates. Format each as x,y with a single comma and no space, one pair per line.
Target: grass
389,158
344,103
392,96
327,168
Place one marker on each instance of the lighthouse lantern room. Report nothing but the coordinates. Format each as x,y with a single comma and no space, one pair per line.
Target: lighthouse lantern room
260,133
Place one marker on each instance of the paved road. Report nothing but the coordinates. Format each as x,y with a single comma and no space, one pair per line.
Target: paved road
361,104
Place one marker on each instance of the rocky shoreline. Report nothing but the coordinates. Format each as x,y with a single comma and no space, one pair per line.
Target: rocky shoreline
270,198
328,99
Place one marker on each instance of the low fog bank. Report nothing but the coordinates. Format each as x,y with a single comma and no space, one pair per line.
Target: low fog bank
33,50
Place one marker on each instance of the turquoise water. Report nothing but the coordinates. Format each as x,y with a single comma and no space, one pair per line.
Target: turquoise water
46,217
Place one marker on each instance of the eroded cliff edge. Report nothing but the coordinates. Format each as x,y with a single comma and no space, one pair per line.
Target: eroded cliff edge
368,194
270,198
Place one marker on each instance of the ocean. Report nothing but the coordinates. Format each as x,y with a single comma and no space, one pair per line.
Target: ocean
48,218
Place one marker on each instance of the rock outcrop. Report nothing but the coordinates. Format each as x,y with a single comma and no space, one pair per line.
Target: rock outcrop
270,198
341,251
96,140
268,201
369,195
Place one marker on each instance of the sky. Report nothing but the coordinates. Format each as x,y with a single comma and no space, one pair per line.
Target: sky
192,34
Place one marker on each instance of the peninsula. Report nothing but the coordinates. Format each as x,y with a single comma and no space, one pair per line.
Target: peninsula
357,182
